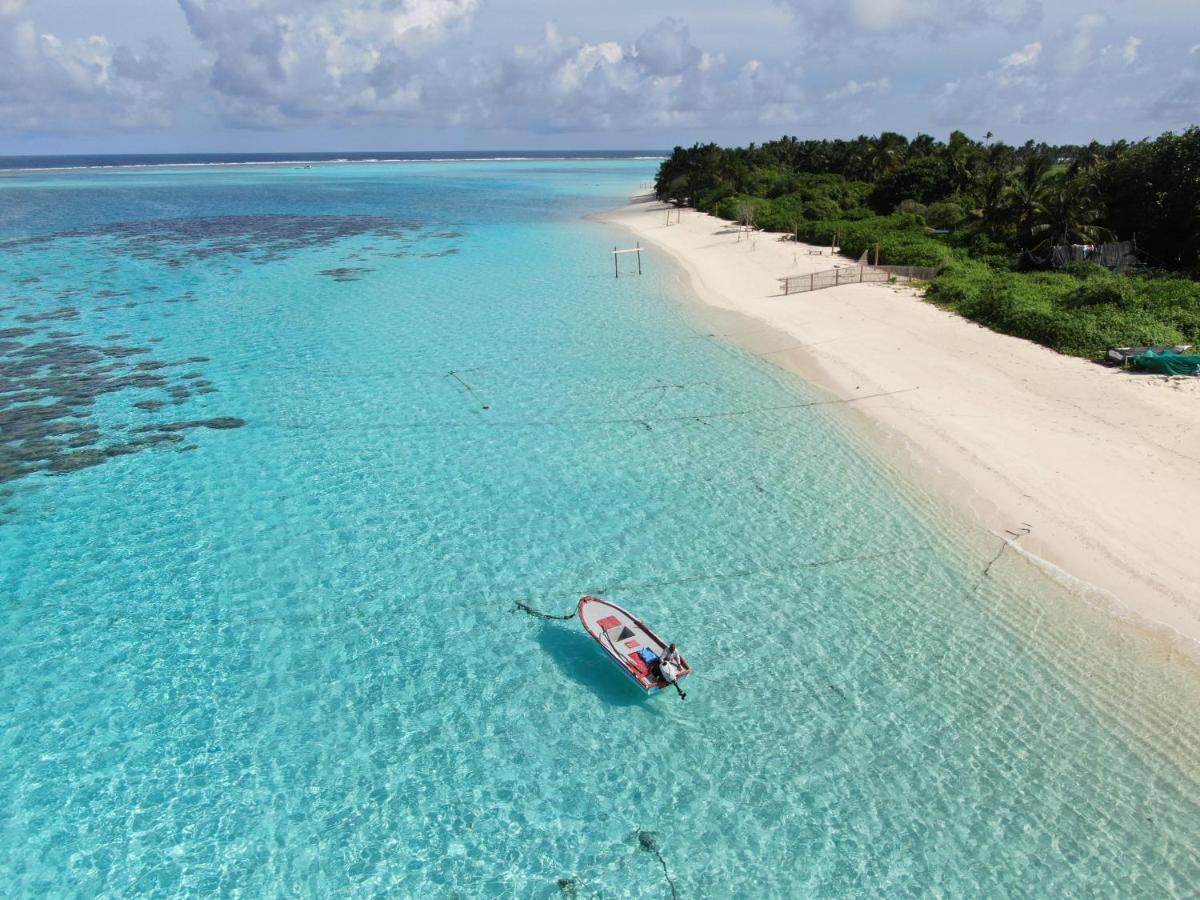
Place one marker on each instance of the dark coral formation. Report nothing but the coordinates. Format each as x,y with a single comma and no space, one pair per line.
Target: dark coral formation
49,386
52,380
262,238
345,273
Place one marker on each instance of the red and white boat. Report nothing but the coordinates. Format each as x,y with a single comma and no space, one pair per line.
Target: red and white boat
628,641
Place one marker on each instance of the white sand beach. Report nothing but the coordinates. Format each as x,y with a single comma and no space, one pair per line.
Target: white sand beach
1102,466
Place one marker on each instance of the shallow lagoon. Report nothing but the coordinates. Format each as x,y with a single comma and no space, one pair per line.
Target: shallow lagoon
282,656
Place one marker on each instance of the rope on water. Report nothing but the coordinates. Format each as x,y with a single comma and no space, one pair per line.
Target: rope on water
470,390
649,842
541,615
643,421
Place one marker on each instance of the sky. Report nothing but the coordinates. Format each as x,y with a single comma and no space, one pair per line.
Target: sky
161,76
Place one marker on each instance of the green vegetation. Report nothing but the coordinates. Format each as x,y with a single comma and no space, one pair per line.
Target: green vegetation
989,214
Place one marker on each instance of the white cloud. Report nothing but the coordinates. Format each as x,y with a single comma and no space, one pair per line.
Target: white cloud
1129,53
666,49
828,24
660,80
1078,51
1026,56
276,61
1086,87
1179,103
52,85
855,88
321,68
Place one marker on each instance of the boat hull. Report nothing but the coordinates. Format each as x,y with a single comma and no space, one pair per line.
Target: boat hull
625,638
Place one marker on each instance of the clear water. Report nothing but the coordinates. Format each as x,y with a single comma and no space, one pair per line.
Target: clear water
284,658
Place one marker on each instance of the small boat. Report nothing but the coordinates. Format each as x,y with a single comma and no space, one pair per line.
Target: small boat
628,641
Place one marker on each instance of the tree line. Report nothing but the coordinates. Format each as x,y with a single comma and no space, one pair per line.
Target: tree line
1023,198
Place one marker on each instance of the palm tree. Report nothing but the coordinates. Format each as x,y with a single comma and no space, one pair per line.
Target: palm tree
1067,214
1024,197
990,189
887,154
922,145
962,159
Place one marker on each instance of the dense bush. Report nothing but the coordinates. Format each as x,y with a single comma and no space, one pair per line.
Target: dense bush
912,208
1116,291
925,180
945,214
1080,314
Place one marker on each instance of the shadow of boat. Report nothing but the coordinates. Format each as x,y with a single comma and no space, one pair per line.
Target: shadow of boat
580,660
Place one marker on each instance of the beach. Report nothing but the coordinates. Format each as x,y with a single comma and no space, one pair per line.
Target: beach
1094,472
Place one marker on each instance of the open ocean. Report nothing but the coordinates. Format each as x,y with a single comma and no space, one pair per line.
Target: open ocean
282,447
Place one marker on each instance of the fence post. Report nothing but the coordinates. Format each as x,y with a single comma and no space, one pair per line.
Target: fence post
860,274
810,282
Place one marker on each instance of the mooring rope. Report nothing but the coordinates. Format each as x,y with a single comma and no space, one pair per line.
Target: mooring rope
540,614
649,842
470,390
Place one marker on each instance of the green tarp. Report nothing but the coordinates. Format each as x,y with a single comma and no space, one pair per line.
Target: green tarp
1167,363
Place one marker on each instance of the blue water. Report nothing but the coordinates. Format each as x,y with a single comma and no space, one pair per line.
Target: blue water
175,160
282,448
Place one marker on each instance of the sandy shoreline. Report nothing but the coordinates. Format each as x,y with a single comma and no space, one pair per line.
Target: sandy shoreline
1102,466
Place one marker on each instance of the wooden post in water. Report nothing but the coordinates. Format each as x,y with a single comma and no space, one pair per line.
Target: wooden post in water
616,258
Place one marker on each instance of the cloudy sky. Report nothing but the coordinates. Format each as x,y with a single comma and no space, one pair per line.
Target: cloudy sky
89,76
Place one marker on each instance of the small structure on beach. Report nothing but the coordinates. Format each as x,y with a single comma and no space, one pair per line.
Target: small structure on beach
1120,256
860,274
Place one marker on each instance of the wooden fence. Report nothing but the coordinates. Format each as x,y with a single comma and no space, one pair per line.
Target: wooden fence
860,274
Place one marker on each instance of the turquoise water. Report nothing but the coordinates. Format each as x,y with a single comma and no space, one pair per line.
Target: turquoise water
282,449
